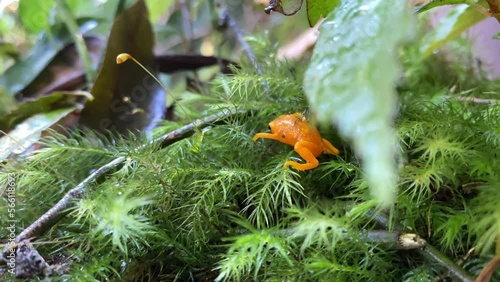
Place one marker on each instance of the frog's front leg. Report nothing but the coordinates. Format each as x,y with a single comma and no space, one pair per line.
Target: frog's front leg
302,148
265,136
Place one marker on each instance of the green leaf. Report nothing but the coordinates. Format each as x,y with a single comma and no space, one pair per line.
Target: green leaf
157,8
458,20
319,8
34,14
7,103
41,105
29,131
350,82
126,97
92,8
497,36
436,3
17,77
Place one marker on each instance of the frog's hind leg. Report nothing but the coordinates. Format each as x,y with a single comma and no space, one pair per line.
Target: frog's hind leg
305,153
329,148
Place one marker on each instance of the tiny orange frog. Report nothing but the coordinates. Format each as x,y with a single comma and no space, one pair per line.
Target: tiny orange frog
294,130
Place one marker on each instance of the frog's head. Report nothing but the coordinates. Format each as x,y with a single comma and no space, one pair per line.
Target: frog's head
284,123
273,127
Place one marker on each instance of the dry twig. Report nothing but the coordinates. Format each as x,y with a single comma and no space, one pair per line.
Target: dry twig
61,209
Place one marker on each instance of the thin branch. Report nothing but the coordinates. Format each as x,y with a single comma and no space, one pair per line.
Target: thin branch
427,251
388,239
474,100
57,212
466,257
395,240
189,129
453,270
186,25
61,209
226,18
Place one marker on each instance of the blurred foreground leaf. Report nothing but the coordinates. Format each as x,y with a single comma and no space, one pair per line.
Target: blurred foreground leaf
126,97
458,20
29,131
350,82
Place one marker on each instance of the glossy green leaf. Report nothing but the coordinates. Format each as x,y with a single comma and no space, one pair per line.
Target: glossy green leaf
436,3
319,8
17,77
34,14
29,131
350,82
157,8
458,20
126,97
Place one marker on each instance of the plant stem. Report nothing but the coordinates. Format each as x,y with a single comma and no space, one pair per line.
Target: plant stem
488,270
427,251
389,239
81,47
59,210
225,17
475,100
454,270
191,128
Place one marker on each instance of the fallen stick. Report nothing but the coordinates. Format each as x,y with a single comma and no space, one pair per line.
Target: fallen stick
61,208
427,251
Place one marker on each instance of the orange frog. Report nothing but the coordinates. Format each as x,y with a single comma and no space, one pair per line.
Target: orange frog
294,130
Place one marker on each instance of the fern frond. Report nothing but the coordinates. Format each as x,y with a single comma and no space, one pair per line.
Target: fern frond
421,180
250,252
278,189
441,147
318,227
450,227
116,215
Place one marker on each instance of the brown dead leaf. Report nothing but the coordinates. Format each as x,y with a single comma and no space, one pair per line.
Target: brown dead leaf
296,48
